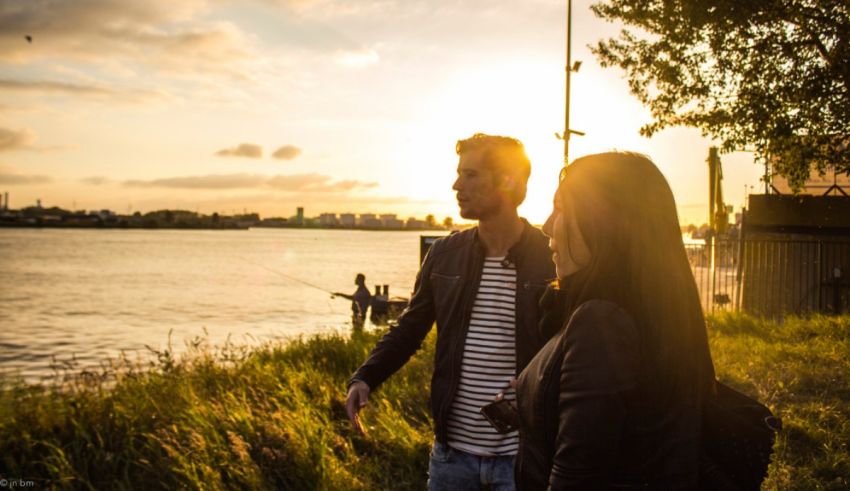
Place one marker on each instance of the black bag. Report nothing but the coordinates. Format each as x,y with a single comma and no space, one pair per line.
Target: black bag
737,440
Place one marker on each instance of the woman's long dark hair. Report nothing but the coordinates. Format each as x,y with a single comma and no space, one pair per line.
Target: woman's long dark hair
626,213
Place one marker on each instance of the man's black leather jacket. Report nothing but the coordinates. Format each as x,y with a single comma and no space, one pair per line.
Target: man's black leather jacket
444,292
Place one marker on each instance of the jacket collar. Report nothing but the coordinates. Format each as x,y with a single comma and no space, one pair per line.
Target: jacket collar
515,252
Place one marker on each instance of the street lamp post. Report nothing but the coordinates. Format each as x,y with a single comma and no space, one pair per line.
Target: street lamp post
569,69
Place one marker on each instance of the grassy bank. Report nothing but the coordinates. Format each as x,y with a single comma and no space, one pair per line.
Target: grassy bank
273,417
801,370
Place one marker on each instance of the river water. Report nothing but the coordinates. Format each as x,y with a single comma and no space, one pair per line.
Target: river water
88,295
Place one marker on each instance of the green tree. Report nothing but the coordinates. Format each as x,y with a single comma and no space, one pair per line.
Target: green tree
430,221
768,75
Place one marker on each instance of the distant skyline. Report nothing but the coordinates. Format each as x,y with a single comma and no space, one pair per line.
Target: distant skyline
266,105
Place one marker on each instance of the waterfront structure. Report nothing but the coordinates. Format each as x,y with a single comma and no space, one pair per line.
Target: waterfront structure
391,221
328,220
348,220
414,224
40,216
367,218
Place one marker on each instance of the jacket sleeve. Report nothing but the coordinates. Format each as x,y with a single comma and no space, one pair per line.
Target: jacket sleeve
402,341
598,371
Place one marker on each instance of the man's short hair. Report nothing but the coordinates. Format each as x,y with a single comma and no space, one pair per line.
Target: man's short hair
504,155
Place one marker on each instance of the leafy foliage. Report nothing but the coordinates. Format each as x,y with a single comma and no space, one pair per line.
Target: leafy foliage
772,75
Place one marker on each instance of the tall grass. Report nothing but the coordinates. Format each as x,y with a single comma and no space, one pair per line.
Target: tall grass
273,417
801,370
266,418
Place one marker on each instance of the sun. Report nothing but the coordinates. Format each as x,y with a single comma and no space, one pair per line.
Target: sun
522,99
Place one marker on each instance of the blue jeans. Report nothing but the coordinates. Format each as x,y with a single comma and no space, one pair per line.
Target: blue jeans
453,470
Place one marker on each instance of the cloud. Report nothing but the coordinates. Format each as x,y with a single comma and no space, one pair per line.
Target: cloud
214,181
8,176
357,58
350,184
15,140
65,88
96,181
315,183
295,182
329,9
171,36
309,183
250,150
286,152
343,203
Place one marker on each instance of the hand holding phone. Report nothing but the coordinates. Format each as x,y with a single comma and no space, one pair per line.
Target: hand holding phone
502,414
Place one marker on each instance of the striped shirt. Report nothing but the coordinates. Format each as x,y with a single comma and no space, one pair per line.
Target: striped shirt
489,362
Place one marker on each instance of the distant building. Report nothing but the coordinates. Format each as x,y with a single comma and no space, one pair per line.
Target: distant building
246,220
368,218
328,220
298,219
390,220
830,183
414,224
347,219
274,222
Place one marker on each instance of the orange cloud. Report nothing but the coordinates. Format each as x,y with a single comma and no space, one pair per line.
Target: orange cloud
15,140
310,183
170,36
9,176
286,152
250,150
65,88
96,180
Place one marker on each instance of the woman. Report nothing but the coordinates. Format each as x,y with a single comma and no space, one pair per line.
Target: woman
613,401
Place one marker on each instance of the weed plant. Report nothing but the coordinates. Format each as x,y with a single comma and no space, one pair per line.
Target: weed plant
273,417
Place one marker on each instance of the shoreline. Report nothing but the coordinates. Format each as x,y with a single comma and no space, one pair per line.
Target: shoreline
226,228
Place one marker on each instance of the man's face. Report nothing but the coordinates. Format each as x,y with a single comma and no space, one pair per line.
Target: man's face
478,194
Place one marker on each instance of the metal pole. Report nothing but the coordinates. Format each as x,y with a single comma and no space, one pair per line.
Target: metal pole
767,180
741,259
569,71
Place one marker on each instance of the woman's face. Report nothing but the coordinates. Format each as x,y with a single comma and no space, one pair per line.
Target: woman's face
570,252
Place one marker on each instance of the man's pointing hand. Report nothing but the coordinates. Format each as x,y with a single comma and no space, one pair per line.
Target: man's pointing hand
358,397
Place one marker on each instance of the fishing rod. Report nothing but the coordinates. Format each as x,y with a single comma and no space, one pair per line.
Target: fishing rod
287,276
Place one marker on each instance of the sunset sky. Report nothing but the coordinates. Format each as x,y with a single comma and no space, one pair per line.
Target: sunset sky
337,106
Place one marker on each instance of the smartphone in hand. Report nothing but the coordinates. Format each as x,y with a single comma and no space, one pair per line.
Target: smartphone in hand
502,415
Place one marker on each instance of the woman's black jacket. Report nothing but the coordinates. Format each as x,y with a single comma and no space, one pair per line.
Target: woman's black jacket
586,418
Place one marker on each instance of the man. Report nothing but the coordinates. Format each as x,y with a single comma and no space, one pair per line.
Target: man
359,301
482,287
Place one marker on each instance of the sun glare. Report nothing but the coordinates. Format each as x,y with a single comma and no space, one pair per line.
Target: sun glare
521,99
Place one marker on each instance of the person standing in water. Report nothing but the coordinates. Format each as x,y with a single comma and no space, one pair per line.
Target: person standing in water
359,300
